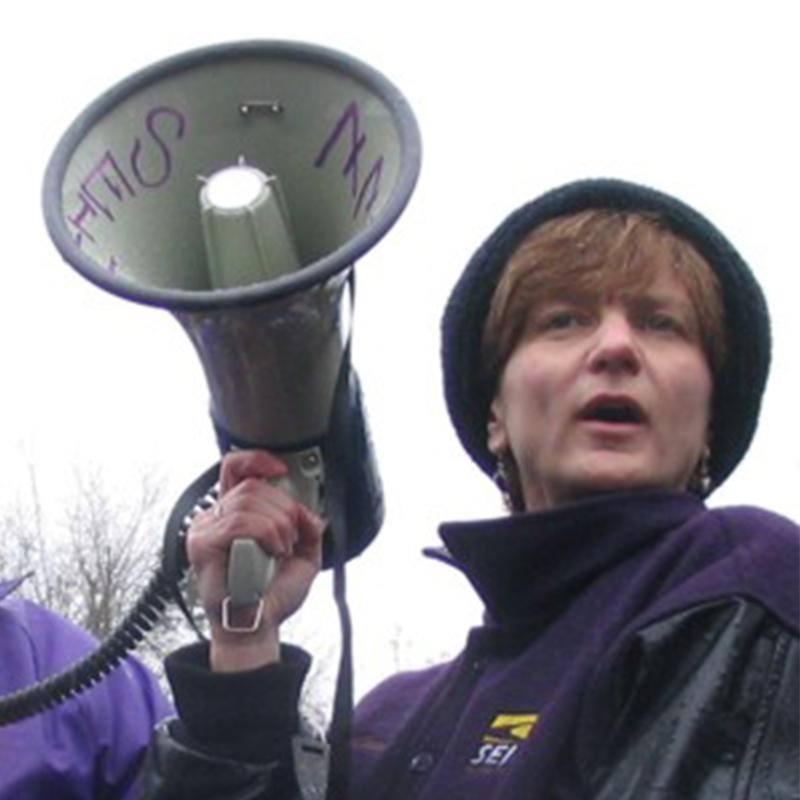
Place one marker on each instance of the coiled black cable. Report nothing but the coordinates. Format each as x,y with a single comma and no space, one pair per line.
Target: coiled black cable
57,688
163,588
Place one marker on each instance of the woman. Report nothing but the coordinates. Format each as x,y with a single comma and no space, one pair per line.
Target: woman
605,353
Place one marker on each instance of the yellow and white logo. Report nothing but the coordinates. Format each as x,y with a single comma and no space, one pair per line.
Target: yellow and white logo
501,741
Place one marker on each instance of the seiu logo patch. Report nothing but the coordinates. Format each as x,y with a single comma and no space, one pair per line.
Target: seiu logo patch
501,741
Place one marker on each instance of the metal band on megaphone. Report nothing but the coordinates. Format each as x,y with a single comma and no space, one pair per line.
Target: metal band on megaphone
347,459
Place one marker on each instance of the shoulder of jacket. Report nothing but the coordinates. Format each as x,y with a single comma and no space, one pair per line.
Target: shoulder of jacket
401,690
731,658
765,552
45,628
756,521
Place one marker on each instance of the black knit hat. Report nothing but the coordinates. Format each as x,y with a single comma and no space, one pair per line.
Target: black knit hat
739,386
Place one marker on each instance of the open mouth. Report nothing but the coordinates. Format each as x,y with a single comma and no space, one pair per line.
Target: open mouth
613,411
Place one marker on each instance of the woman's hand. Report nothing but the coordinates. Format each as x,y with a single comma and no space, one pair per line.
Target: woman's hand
250,507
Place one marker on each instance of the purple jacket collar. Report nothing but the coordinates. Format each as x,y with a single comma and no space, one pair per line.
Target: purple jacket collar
527,565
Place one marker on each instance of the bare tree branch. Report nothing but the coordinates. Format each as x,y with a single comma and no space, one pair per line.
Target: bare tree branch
91,560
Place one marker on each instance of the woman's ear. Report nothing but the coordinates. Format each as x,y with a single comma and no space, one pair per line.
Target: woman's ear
496,436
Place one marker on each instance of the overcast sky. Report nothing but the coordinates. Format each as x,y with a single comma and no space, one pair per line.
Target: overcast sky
695,98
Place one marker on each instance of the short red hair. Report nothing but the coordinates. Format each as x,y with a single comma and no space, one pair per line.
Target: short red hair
598,251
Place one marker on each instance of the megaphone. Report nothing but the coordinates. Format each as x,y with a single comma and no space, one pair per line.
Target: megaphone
236,186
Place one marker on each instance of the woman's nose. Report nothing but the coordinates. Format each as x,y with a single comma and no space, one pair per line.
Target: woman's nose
614,347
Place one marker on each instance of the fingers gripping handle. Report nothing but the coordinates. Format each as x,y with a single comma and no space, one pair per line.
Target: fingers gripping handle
250,569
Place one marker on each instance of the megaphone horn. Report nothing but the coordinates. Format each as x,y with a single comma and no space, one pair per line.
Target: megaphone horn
236,186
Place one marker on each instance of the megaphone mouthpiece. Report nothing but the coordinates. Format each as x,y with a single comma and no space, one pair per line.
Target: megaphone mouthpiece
245,227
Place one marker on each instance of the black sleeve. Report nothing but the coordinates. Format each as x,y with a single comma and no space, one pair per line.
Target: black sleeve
703,705
232,739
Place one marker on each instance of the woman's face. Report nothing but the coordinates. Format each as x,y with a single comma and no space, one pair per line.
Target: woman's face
604,394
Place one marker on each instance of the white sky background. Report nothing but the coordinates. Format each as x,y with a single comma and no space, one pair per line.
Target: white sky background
697,99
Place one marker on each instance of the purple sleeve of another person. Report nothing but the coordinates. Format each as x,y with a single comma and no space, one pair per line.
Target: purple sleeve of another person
90,746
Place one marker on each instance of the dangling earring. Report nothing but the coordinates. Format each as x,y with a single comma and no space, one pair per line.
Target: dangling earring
701,481
500,478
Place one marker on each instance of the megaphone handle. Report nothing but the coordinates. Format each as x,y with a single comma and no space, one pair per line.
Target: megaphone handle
250,569
250,572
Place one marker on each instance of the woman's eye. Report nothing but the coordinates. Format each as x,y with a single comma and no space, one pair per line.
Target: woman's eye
663,323
562,320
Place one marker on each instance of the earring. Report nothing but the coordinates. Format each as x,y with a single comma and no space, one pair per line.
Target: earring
500,478
702,481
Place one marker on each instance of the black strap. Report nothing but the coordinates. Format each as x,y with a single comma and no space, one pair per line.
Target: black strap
341,721
336,489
